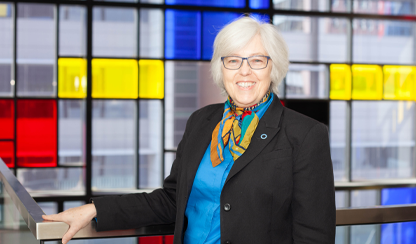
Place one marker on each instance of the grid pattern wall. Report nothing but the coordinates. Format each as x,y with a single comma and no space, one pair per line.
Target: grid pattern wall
95,95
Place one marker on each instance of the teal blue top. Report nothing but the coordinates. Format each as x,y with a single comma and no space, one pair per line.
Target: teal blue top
203,208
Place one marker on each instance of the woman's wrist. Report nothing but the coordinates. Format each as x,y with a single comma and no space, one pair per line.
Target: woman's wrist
93,210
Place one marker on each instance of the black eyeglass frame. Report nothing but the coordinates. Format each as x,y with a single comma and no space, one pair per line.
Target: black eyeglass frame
246,58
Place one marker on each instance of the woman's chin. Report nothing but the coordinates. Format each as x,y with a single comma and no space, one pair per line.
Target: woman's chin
244,101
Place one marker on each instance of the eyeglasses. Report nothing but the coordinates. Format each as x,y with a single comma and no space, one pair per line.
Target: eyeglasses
255,62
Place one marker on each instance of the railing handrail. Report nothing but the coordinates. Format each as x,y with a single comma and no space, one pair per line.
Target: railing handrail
48,230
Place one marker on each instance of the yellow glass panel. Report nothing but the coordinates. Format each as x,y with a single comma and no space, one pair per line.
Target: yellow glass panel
367,82
3,10
151,79
72,77
115,78
399,82
340,79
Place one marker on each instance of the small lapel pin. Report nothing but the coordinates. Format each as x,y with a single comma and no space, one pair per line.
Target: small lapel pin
263,136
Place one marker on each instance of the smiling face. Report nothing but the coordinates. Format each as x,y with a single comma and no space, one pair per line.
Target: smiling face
247,86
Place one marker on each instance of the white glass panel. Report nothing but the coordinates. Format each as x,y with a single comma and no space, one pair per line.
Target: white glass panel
303,5
114,144
307,81
114,32
150,138
169,158
188,87
71,124
151,33
36,50
72,204
314,38
385,7
383,41
341,5
382,139
6,50
337,132
49,207
52,181
72,30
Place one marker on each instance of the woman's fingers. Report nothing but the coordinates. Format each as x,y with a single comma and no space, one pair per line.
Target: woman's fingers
54,217
69,234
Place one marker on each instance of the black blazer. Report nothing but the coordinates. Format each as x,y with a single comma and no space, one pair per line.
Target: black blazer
281,190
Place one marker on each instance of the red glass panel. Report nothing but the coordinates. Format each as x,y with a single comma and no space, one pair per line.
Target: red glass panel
36,133
169,239
6,153
151,240
6,119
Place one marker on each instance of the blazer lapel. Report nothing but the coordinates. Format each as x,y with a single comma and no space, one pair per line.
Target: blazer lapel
267,128
200,141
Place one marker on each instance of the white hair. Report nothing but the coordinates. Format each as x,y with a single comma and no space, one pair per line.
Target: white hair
236,35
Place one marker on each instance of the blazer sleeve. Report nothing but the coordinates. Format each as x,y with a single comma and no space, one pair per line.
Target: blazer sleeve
313,202
142,209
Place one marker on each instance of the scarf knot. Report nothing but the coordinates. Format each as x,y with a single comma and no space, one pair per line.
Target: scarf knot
236,129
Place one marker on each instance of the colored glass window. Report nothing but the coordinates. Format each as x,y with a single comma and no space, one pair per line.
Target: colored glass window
36,133
114,78
151,240
168,239
72,77
212,24
7,153
259,4
340,82
6,119
367,82
399,82
182,34
398,232
151,79
6,50
212,3
36,49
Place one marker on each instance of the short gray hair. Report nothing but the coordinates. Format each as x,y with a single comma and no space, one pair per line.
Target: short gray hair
237,35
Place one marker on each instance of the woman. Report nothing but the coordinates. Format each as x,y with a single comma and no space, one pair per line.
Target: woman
247,171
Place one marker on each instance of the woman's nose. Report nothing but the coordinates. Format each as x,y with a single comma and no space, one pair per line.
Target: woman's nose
245,68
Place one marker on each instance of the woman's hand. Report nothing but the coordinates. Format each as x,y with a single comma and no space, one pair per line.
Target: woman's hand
77,218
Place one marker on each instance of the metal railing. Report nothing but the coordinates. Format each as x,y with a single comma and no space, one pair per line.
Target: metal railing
47,230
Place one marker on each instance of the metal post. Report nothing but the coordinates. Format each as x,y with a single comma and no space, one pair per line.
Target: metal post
88,107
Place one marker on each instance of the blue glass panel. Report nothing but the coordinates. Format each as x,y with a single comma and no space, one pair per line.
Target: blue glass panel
212,24
212,3
261,17
400,233
183,34
394,196
259,4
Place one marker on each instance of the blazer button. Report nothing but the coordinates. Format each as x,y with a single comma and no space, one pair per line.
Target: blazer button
227,242
227,208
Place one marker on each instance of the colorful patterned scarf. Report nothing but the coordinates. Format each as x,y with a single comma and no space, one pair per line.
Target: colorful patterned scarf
238,124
